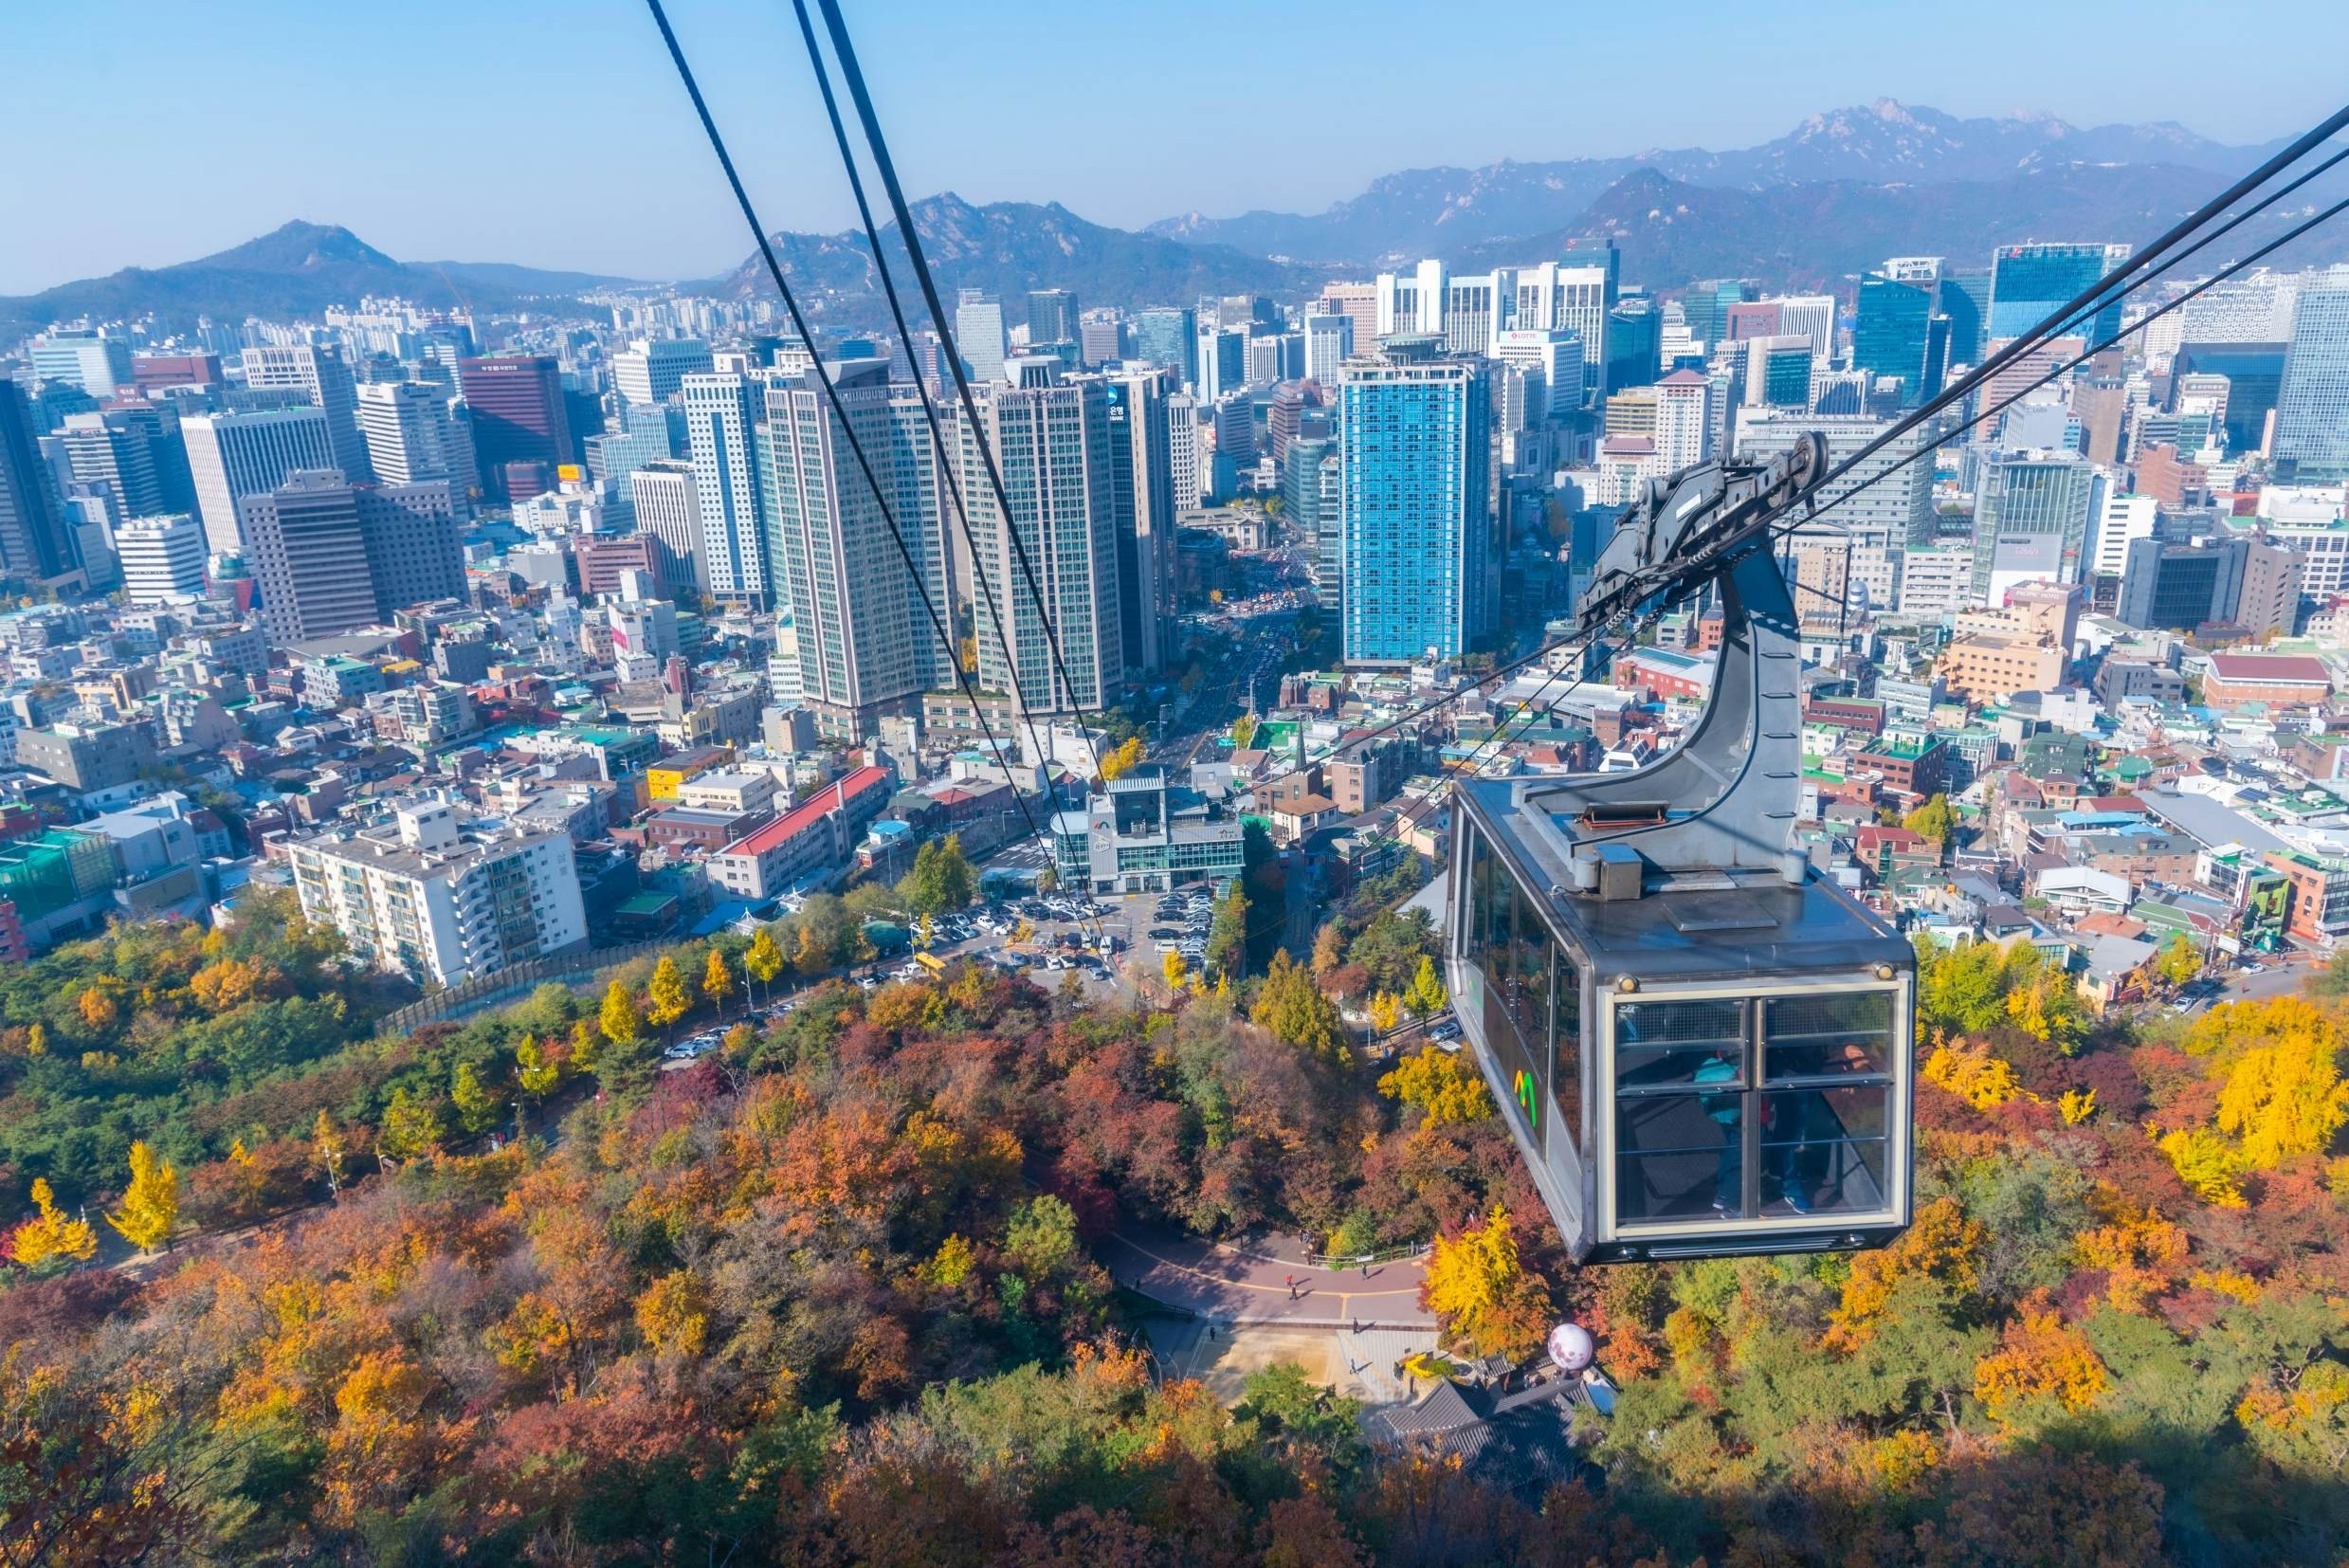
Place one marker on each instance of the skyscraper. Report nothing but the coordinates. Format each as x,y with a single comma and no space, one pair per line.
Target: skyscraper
519,418
330,555
2031,521
651,372
979,334
2028,282
1052,443
1142,500
722,418
316,371
1810,316
236,455
100,365
1634,345
412,439
1892,330
109,451
1411,303
1329,343
1051,318
1417,547
1311,481
1100,338
1358,303
1685,420
32,531
1223,364
648,433
1169,337
668,506
2312,406
866,643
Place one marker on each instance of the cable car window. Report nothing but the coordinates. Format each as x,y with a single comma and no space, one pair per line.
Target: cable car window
1681,1155
1823,1149
1665,1043
1566,1059
1826,1036
1513,955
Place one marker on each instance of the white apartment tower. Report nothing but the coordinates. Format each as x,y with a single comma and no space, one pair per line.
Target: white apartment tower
234,455
318,372
722,418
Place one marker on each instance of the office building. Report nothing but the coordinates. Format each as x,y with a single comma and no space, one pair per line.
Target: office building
1051,318
1145,834
1880,499
1311,480
2031,521
331,556
667,499
1053,446
1635,347
2124,521
100,365
1235,431
648,433
521,424
2027,283
318,374
441,892
979,334
722,418
1223,365
1892,334
1182,447
867,647
2255,307
1419,564
1810,316
235,455
33,539
1329,343
111,450
1169,337
2234,581
2312,406
1777,371
1685,420
412,438
1552,359
651,372
1141,496
161,558
1100,338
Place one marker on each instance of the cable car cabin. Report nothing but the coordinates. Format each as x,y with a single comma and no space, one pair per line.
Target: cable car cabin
1701,1048
1721,1065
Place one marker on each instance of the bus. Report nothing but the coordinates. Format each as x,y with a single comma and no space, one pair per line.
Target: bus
937,966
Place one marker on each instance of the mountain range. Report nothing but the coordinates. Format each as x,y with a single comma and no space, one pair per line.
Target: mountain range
1837,193
297,269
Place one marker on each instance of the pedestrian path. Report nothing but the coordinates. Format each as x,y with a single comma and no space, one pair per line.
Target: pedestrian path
1264,1281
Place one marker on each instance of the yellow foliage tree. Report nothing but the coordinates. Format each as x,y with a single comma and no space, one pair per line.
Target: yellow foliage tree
1386,1011
1943,1244
1171,964
717,982
2076,1106
1443,1089
1477,1286
664,999
1974,1075
808,958
49,1235
618,1019
536,1069
97,1008
674,1313
763,960
1426,996
151,1203
2042,1357
2206,1164
1124,760
2140,1254
2284,1099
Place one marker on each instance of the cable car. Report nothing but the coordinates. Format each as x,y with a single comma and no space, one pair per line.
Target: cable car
1701,1046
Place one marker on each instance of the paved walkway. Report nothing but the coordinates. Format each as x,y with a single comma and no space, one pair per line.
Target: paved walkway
1264,1282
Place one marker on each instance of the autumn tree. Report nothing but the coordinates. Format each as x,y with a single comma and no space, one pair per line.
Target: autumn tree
2040,1359
151,1204
763,960
2180,963
619,1021
808,958
1386,1011
1292,1009
1935,820
1171,964
673,1314
1123,760
411,1125
717,982
942,879
1243,731
477,1107
536,1069
49,1237
664,998
97,1010
1426,996
1439,1086
1329,952
1487,1303
1226,935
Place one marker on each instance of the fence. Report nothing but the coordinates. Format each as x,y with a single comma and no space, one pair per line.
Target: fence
479,990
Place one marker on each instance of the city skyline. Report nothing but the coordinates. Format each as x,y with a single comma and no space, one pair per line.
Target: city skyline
420,188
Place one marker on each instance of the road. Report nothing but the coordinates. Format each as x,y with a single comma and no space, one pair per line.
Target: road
1264,1280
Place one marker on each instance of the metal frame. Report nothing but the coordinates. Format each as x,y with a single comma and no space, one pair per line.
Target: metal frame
1899,1053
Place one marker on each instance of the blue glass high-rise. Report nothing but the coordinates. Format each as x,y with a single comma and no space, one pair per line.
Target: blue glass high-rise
1418,560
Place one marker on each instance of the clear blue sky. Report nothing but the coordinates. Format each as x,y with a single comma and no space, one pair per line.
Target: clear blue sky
146,132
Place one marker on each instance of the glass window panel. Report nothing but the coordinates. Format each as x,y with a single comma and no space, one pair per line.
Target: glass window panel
1823,1149
1661,1044
1827,1035
1566,1051
1678,1156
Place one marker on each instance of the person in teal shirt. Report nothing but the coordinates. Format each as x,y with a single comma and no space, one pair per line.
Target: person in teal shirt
1729,1180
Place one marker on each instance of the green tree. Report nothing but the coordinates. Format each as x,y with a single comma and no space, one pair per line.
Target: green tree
1292,1009
1227,936
477,1108
1426,996
410,1126
942,879
2180,963
536,1069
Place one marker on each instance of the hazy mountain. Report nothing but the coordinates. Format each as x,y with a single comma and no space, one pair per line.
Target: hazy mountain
297,270
1814,232
1007,248
1433,212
